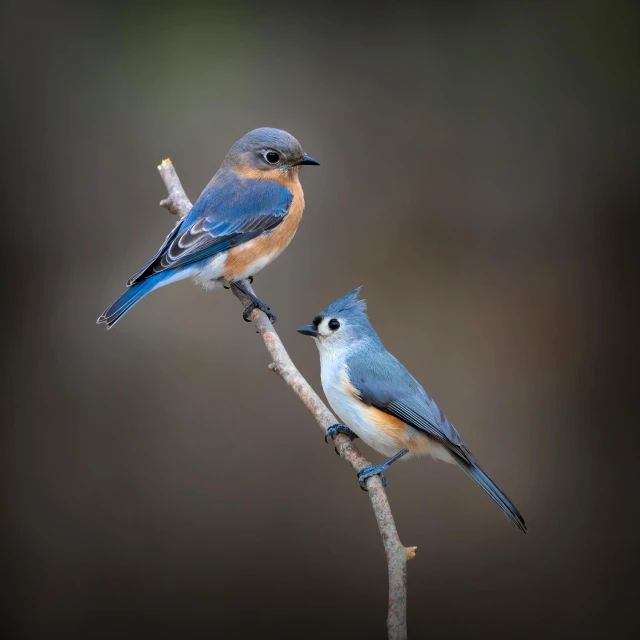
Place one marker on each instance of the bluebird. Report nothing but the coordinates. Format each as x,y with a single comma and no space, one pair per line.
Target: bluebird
245,217
382,403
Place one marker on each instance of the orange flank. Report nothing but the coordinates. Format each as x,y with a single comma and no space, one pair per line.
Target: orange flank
396,430
392,427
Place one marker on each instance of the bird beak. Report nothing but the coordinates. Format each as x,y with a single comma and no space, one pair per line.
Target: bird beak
308,330
307,160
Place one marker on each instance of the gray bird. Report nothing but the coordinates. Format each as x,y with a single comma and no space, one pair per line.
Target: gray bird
382,403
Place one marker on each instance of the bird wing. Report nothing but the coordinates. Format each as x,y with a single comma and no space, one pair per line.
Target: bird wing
230,211
383,382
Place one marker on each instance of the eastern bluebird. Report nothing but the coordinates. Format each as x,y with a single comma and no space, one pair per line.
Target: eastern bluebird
381,402
245,217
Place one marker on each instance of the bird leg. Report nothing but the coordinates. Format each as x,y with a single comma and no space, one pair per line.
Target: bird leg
378,469
256,303
250,279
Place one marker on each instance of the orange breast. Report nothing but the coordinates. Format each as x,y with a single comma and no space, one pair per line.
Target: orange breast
266,248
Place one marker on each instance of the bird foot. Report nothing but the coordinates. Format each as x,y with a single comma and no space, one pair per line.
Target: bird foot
263,307
372,470
335,429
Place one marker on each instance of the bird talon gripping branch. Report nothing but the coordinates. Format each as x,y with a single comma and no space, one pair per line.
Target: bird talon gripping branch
372,470
335,429
246,314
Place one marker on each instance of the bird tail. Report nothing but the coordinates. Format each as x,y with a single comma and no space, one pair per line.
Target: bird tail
498,496
131,296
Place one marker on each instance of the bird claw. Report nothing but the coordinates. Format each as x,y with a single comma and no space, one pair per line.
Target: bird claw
263,307
368,472
335,429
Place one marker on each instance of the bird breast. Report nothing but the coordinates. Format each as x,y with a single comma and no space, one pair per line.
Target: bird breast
249,258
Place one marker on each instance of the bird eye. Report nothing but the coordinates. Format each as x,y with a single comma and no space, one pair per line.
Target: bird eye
271,157
334,324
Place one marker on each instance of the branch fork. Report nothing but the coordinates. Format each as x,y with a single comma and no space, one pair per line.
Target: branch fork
397,554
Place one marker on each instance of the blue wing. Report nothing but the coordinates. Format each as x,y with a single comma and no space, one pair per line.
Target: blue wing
230,211
383,382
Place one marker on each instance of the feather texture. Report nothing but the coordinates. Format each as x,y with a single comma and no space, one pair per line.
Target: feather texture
231,210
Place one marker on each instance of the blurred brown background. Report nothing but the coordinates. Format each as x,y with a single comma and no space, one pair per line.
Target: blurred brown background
479,177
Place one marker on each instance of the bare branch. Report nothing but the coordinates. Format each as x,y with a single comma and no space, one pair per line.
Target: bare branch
177,202
397,554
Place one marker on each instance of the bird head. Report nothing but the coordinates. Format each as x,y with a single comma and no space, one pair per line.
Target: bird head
340,324
267,150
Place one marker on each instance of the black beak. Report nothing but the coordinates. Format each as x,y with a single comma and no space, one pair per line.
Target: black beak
308,330
307,160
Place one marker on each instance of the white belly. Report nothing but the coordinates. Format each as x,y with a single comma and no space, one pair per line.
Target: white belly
209,275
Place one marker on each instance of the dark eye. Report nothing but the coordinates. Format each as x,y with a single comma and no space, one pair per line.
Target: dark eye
271,157
333,324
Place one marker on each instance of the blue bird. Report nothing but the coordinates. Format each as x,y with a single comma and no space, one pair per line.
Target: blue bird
382,403
244,219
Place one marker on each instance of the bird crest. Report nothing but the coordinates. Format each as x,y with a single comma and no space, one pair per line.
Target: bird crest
349,303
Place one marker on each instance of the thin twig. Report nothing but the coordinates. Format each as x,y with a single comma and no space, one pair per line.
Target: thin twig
397,554
177,202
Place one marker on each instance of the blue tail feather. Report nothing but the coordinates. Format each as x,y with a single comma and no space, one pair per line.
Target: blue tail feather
499,497
128,299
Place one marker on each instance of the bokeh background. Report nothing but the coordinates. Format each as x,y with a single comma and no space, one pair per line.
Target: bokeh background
479,177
